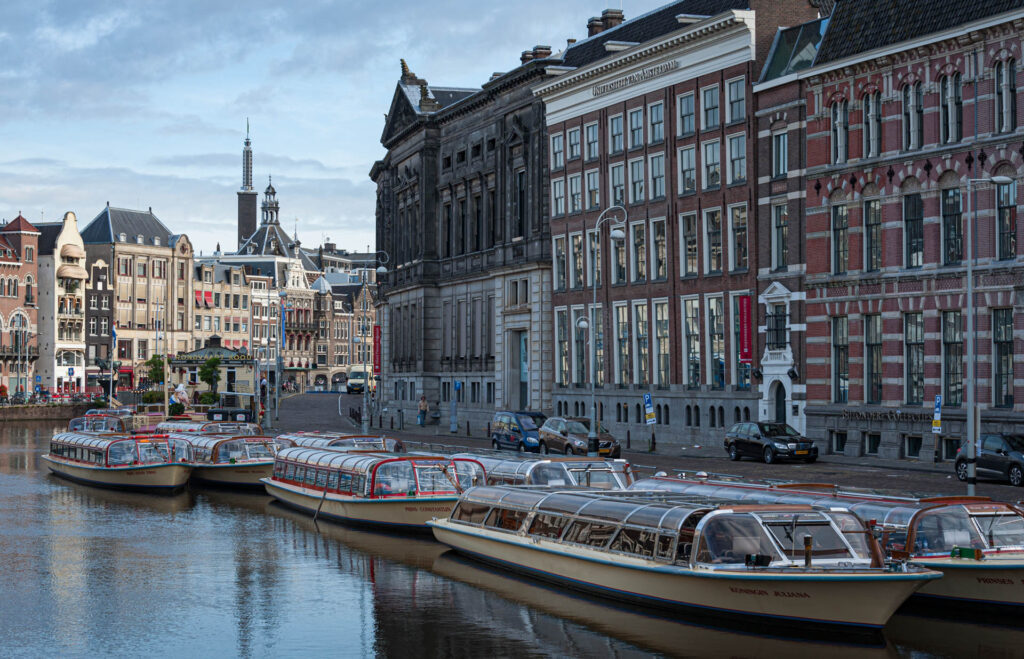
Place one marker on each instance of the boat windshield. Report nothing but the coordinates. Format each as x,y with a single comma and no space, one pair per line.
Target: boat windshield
240,449
790,530
730,538
1001,530
153,452
601,478
121,453
945,528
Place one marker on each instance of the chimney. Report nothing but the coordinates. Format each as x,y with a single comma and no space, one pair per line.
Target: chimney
496,75
526,56
612,17
594,26
540,52
569,43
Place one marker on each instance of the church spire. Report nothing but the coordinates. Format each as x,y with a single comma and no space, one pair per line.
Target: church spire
270,205
247,160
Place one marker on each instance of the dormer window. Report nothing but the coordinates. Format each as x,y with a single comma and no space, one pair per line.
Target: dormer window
156,241
139,239
123,237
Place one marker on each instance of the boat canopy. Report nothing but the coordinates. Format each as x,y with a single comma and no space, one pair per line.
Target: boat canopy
601,473
340,441
234,448
118,450
98,423
237,427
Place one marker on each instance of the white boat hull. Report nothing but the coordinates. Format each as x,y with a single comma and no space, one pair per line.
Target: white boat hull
234,475
410,513
166,477
998,580
854,600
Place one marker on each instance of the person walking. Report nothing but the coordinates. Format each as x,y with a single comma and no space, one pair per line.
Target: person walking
422,416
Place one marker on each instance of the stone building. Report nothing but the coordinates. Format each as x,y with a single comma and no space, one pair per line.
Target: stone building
900,132
461,217
99,320
652,127
19,346
62,302
221,298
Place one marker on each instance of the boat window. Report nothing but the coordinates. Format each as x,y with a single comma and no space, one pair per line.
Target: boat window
635,541
855,533
548,526
1001,530
332,480
435,478
344,482
602,479
260,450
549,474
300,474
290,473
121,453
663,549
503,518
730,538
790,529
943,529
590,533
181,450
394,478
310,475
609,509
150,453
471,512
358,484
279,469
468,473
321,478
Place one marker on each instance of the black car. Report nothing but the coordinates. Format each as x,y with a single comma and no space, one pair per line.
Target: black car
999,456
769,441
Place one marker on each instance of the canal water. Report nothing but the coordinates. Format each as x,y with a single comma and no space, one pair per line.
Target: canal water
87,572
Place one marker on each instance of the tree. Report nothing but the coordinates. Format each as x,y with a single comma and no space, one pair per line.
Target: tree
209,373
155,364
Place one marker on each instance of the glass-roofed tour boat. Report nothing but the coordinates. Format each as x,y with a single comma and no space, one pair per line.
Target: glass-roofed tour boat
788,566
344,442
187,425
233,460
578,471
133,462
399,491
977,543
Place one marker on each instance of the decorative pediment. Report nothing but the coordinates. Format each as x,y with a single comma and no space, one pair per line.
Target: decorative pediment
776,293
400,117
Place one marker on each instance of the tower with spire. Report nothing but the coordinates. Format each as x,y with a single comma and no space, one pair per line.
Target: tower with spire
247,195
270,205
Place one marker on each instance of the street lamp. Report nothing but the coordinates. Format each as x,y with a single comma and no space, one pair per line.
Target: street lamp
280,356
616,233
972,412
367,330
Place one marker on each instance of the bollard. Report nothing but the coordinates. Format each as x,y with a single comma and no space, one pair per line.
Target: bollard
488,428
468,434
654,445
401,419
807,551
392,423
380,420
627,439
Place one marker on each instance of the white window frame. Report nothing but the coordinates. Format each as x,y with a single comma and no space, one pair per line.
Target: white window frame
728,105
570,269
707,241
568,143
635,340
729,140
611,184
632,272
732,235
679,114
704,164
650,176
630,113
556,186
683,272
597,144
653,249
611,135
588,189
578,178
615,338
650,124
780,165
557,155
591,258
679,169
707,334
684,351
633,199
576,312
703,115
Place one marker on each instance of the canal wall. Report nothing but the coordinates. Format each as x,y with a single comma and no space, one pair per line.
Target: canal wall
42,412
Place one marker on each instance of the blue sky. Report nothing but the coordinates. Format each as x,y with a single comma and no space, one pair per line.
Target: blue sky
144,103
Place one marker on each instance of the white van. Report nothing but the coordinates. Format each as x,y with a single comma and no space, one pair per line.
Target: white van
357,378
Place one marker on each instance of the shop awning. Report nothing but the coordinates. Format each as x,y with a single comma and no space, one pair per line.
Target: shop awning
125,369
209,298
199,298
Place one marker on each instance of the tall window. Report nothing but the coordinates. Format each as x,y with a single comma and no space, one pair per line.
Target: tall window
446,248
1006,96
872,125
593,190
687,170
737,158
873,358
686,115
657,118
663,358
742,370
1002,338
738,229
615,134
641,349
709,102
913,337
639,240
622,344
575,193
716,342
840,130
562,333
597,322
1006,210
619,264
560,263
636,181
840,242
952,358
688,233
558,197
873,234
579,342
636,128
520,225
713,237
780,236
659,240
736,92
712,165
691,318
557,151
658,176
576,245
952,227
780,154
574,143
840,359
594,258
618,178
951,109
913,113
913,220
592,141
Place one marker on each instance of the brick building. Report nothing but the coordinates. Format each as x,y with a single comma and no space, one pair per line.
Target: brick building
656,115
896,129
19,345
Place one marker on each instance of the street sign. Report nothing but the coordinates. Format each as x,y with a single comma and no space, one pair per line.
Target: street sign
376,350
71,371
649,411
458,385
937,418
39,378
746,335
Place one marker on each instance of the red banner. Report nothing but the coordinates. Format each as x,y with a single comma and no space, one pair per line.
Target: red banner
746,335
376,349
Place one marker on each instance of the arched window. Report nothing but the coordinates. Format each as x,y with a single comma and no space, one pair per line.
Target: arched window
721,416
711,417
736,415
913,115
639,415
872,125
746,414
952,109
696,416
1006,95
840,131
665,411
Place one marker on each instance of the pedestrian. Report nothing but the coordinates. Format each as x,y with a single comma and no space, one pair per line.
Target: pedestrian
421,418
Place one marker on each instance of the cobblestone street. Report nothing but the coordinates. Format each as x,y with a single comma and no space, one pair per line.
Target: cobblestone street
320,412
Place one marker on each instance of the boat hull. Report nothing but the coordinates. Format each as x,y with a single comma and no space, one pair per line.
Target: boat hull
406,513
855,601
233,475
996,582
145,478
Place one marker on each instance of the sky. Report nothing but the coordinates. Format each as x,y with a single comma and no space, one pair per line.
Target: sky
144,104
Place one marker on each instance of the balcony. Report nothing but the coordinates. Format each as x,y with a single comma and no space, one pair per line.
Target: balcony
70,312
8,352
299,326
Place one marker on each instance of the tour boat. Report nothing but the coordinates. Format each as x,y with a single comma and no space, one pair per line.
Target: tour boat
219,427
977,543
134,462
578,471
344,442
98,423
787,566
233,460
371,488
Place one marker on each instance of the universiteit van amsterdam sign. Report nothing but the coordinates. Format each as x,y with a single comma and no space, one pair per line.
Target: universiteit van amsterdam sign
639,76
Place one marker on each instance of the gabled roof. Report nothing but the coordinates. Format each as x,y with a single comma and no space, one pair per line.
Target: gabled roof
269,240
19,224
857,26
107,227
48,233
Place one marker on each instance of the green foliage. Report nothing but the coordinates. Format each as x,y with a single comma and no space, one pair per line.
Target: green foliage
155,364
176,409
100,404
153,397
209,398
209,373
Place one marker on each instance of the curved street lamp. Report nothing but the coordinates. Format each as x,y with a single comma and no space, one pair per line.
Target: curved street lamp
384,258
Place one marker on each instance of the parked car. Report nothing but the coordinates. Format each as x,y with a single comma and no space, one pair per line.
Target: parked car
998,456
515,430
569,435
769,441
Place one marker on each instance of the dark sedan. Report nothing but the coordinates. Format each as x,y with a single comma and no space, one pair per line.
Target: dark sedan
769,442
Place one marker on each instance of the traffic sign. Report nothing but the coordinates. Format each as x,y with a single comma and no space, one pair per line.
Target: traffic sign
71,371
39,378
649,411
937,418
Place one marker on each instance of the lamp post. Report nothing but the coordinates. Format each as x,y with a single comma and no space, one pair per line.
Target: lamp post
280,356
616,233
366,330
972,411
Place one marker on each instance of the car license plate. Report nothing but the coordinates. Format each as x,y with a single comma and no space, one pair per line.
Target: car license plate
802,452
604,451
